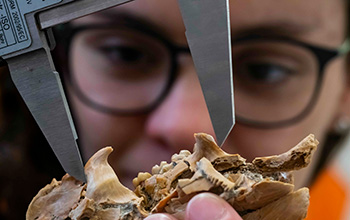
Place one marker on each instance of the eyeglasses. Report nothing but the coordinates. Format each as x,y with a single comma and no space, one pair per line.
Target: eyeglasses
277,79
129,70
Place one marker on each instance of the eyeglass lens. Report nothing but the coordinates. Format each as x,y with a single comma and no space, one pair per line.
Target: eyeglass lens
126,69
119,68
274,81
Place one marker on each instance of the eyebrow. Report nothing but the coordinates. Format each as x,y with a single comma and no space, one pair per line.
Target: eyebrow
126,18
279,28
287,28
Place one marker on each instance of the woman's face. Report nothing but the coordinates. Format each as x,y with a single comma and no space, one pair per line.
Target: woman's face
144,140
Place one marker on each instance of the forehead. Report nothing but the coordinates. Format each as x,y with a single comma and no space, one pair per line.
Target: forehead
318,21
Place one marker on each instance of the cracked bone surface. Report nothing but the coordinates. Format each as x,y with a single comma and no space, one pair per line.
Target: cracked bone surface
262,189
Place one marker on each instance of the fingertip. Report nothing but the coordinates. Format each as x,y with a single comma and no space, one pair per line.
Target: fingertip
207,206
160,217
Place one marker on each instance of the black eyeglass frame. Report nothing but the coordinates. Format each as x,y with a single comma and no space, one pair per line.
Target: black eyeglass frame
323,56
65,33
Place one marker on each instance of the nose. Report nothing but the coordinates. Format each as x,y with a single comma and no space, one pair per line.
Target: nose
182,113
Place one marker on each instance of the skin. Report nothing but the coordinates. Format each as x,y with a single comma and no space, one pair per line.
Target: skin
170,127
216,208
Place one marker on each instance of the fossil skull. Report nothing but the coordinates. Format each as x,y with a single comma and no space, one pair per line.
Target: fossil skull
262,189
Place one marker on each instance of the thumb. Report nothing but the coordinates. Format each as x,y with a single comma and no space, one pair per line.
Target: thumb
207,206
160,217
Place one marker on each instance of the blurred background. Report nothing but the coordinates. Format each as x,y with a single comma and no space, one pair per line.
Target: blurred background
27,162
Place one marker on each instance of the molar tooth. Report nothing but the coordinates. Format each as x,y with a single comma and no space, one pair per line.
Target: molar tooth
185,153
163,163
180,156
155,169
141,177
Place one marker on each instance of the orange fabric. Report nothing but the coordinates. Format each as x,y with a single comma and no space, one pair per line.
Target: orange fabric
327,198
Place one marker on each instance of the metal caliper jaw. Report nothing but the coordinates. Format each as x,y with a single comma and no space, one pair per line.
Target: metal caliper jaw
25,47
209,38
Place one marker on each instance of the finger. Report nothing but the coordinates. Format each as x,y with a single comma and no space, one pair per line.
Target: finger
207,206
160,217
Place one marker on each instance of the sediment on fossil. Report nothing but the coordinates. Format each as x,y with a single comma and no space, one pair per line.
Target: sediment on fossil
253,189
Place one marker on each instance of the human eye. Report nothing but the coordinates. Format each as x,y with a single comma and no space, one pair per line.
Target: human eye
124,54
262,66
110,48
272,73
263,72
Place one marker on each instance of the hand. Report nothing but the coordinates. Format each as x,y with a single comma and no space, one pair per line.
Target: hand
205,206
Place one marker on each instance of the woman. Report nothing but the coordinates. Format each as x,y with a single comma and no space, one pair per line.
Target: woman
132,83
